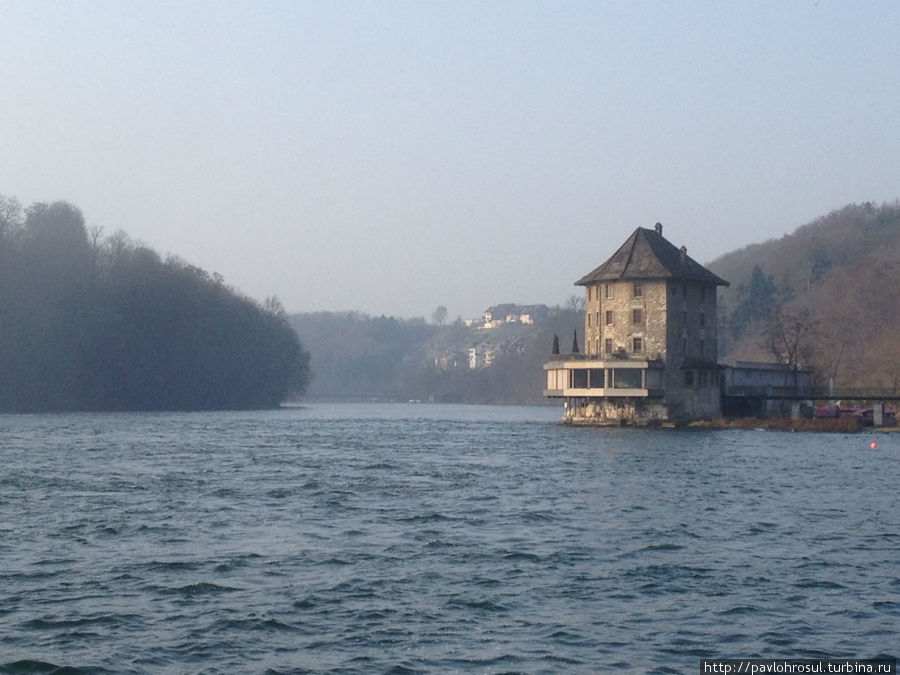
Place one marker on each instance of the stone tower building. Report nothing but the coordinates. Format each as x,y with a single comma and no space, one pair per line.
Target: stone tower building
650,342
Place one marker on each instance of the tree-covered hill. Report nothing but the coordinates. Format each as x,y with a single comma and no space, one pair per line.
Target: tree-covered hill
100,323
825,296
355,355
359,356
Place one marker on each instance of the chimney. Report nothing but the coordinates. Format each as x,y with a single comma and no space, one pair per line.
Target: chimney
658,228
683,255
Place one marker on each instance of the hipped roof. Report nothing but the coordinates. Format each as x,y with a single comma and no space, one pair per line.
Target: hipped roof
647,255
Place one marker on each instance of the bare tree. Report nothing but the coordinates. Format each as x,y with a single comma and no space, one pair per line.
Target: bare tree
273,306
439,316
787,336
575,303
787,333
10,216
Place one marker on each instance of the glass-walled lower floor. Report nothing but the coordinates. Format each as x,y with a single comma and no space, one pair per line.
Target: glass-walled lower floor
603,378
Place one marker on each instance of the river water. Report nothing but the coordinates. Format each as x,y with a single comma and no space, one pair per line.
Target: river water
416,538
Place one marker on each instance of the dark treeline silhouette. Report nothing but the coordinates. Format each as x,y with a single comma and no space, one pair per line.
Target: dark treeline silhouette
100,323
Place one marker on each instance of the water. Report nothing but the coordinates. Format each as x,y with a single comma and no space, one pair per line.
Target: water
417,538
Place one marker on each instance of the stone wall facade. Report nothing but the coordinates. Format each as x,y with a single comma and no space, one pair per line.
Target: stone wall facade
619,312
691,325
615,411
673,321
650,347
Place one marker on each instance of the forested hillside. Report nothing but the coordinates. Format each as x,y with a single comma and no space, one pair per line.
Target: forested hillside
94,322
359,356
89,322
825,296
355,355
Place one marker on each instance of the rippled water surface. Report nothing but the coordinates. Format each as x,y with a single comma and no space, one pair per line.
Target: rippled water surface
417,538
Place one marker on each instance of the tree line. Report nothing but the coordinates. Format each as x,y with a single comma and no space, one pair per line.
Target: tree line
357,356
822,296
94,322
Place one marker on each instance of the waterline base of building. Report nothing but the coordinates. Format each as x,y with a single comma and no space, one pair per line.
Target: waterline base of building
616,412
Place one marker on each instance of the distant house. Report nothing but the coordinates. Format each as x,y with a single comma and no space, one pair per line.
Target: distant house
505,313
448,358
650,349
478,356
481,356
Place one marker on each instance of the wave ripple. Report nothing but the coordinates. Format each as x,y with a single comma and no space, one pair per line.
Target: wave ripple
415,539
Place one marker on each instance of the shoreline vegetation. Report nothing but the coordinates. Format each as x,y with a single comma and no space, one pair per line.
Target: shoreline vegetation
96,321
833,425
843,425
100,323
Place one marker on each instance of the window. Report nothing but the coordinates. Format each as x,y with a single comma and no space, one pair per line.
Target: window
607,345
609,317
637,316
689,378
589,319
702,319
627,378
702,347
684,346
609,291
638,290
637,345
702,293
684,291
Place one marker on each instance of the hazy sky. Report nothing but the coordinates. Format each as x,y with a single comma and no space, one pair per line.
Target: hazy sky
389,157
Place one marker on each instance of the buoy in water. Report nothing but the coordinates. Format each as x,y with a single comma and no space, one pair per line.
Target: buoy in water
873,444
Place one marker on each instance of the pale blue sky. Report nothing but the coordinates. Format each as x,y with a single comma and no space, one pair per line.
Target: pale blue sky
389,157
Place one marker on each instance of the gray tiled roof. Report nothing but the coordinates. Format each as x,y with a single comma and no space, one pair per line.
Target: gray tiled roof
647,255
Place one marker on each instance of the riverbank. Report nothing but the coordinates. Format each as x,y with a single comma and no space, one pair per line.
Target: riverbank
834,425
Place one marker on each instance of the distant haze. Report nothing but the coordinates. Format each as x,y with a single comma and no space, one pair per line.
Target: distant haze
392,157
